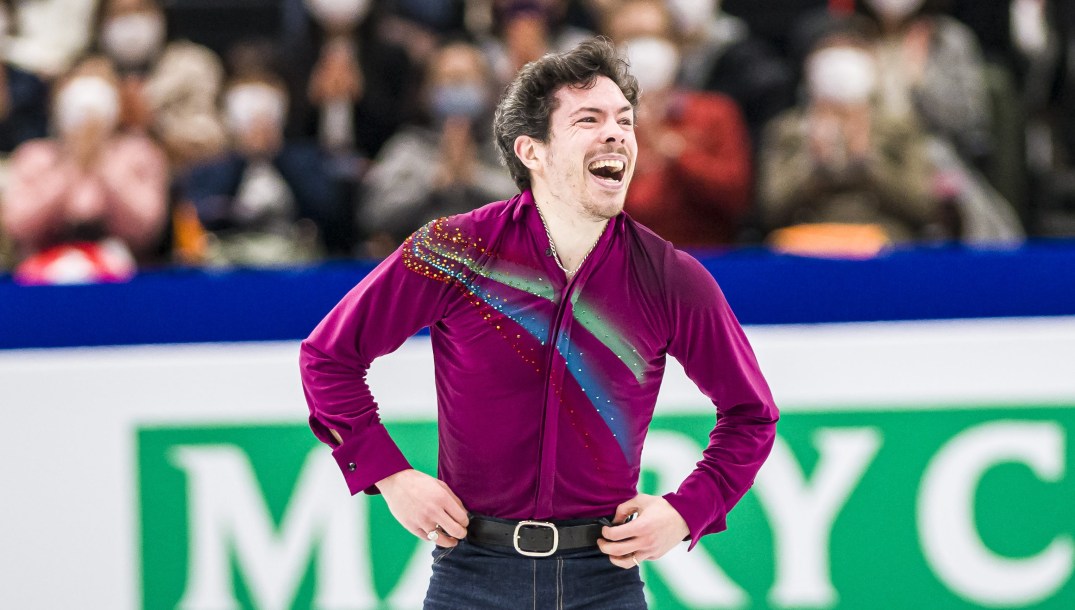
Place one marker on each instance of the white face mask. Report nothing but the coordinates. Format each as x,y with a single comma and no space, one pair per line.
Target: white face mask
895,10
654,62
133,39
841,74
245,105
84,98
1029,27
338,13
693,15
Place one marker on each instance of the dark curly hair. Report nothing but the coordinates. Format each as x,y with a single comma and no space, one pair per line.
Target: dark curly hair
530,99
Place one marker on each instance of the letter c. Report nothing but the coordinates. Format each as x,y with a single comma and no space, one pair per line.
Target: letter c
946,528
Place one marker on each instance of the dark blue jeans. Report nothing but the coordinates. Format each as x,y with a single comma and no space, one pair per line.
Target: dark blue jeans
471,577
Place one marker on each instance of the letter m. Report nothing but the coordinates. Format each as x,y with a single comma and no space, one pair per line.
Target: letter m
229,519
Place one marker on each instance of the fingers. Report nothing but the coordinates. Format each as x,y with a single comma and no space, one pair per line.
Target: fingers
621,532
425,506
454,519
449,525
657,530
441,539
455,509
445,540
618,549
626,561
625,510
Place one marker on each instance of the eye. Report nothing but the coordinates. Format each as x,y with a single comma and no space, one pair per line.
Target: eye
626,121
587,119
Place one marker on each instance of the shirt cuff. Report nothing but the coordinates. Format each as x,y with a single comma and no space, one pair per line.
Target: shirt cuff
367,458
701,519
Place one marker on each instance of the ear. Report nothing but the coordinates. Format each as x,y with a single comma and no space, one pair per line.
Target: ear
529,151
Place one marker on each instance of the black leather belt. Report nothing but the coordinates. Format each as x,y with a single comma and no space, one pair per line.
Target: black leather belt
535,538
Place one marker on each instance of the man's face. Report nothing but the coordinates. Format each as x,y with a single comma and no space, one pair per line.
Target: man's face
589,158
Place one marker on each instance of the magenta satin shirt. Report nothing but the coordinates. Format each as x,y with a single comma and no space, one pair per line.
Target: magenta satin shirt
545,386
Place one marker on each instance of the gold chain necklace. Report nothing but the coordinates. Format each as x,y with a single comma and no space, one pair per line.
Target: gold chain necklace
556,256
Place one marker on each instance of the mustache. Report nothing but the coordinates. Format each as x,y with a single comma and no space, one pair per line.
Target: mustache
609,149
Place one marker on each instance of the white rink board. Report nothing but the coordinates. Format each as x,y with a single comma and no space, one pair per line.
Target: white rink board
68,536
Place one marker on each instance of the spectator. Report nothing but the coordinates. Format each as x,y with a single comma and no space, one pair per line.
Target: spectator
448,165
50,35
527,29
847,178
83,206
23,114
693,178
721,54
931,67
1040,31
360,84
23,98
267,201
167,90
336,82
182,92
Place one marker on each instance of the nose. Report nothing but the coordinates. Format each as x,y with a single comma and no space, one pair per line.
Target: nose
612,131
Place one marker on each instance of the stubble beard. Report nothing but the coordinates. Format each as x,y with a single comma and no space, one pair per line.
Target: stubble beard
603,210
591,202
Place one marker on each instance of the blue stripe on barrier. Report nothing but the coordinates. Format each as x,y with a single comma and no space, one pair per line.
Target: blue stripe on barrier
186,306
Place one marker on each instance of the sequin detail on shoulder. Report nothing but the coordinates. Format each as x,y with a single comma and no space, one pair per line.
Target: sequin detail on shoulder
492,286
441,253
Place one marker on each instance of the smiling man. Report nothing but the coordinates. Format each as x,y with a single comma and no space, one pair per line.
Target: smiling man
551,316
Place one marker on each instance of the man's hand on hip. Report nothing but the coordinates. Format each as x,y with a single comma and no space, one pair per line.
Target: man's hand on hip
423,504
653,532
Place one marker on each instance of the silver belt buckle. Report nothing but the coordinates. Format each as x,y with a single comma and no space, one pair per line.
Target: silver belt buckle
555,538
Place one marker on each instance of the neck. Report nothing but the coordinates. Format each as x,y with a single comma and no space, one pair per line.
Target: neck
573,233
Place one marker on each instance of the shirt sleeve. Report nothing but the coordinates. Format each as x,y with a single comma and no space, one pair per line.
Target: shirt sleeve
709,343
398,298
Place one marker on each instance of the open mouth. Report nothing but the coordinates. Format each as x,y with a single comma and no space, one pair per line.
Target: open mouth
608,169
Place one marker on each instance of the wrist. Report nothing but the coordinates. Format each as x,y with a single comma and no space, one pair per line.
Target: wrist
388,483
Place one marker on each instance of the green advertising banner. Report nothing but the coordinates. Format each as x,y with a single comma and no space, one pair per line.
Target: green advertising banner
856,509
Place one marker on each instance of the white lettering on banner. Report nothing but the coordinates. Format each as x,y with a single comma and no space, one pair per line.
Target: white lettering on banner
695,578
228,517
802,512
946,520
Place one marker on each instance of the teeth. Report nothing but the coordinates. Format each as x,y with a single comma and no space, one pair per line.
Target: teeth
613,164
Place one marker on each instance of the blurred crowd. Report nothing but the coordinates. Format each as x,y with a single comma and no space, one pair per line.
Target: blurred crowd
144,133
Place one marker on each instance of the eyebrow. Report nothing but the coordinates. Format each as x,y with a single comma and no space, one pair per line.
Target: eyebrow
627,108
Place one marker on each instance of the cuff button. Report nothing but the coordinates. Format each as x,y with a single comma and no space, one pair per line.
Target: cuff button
351,467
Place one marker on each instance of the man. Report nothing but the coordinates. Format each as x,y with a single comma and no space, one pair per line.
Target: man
444,165
551,315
